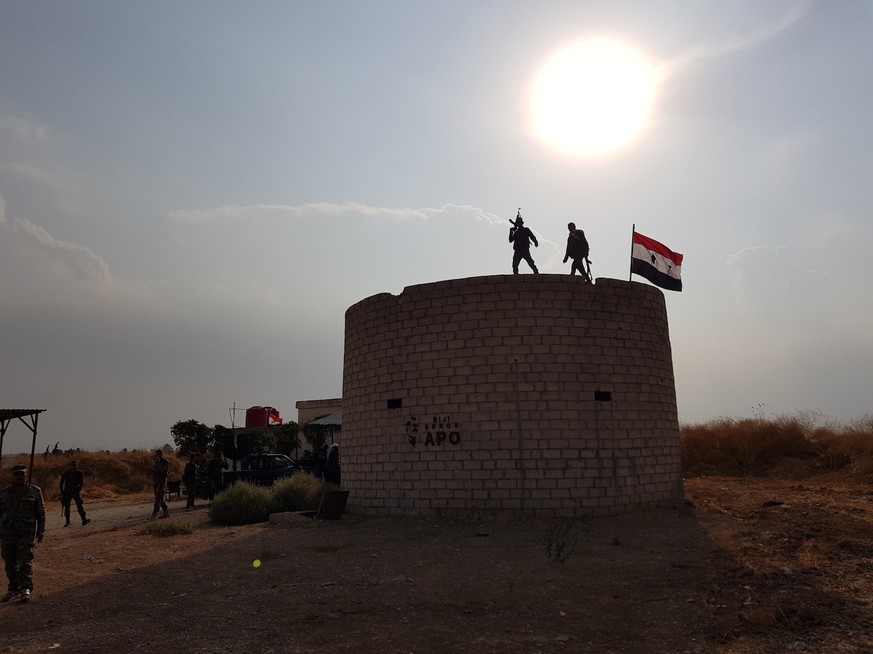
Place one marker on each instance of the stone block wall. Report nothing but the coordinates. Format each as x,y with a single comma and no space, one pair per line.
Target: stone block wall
510,395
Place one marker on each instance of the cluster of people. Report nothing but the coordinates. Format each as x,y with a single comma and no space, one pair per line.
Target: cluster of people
202,477
521,238
324,463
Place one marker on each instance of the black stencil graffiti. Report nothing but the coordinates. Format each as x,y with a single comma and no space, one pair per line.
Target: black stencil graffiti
437,432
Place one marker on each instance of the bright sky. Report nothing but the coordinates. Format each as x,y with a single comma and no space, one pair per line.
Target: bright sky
192,194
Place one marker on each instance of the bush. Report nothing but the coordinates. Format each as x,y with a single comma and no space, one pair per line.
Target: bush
241,504
299,492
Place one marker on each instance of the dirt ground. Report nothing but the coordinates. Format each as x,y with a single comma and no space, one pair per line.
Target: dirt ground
745,566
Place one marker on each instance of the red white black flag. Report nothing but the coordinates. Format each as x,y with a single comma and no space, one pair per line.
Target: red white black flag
273,417
656,262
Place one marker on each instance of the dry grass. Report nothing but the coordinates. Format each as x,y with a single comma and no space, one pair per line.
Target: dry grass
788,447
785,447
106,474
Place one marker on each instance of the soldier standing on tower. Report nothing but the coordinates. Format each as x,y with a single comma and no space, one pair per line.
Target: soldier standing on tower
521,237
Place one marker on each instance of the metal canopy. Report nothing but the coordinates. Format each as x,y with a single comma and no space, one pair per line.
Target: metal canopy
29,418
333,420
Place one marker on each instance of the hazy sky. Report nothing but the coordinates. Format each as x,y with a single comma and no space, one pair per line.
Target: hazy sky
192,193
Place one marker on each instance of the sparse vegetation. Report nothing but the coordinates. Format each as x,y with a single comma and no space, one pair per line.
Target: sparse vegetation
788,447
561,541
791,447
241,504
244,503
166,528
106,474
300,492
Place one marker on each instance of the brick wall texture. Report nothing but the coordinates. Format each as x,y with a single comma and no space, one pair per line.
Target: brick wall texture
510,395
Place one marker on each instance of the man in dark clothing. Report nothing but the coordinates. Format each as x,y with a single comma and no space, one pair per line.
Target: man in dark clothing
577,250
521,237
215,468
189,476
161,470
332,466
72,482
22,526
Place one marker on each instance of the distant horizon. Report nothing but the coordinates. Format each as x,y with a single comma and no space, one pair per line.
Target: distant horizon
810,417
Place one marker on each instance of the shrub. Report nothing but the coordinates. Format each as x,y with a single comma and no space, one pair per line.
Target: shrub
241,504
299,492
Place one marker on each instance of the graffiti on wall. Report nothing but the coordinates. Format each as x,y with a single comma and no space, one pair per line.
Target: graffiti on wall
433,431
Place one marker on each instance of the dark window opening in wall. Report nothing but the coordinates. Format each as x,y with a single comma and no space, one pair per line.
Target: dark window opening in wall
603,396
395,403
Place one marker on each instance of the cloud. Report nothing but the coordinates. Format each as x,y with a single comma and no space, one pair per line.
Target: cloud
256,211
38,269
23,128
740,42
39,176
768,270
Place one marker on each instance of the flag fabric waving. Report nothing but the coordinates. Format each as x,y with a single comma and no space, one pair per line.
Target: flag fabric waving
273,417
656,262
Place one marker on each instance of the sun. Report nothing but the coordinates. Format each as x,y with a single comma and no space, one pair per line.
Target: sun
593,96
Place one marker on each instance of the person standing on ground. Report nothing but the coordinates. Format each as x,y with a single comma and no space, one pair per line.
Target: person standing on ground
521,237
72,482
161,470
332,466
214,470
202,480
22,526
189,476
577,250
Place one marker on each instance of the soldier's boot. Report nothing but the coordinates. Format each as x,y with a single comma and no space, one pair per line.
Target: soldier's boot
68,523
11,594
25,595
154,516
165,513
85,520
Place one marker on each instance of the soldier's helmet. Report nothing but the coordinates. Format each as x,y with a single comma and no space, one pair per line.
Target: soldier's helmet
20,468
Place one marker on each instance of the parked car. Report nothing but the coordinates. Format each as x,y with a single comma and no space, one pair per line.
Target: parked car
261,469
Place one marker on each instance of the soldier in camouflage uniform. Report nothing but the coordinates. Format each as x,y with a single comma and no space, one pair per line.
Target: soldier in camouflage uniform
161,470
22,525
72,482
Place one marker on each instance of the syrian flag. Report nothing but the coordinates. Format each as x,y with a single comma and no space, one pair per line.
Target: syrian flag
273,416
656,262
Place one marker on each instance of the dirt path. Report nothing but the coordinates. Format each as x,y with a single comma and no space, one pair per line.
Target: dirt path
747,567
104,514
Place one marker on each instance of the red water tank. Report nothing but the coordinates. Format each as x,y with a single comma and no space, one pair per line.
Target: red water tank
256,416
262,416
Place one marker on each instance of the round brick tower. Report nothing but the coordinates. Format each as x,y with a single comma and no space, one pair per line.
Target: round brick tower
510,395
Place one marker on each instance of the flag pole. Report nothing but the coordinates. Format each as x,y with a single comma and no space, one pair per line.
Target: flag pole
633,231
